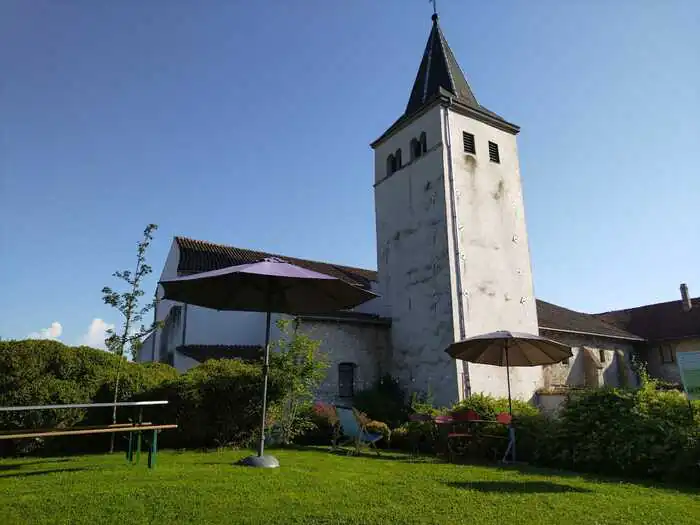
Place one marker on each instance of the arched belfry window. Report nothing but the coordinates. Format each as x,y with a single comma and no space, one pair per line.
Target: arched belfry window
397,159
423,142
346,379
390,164
416,149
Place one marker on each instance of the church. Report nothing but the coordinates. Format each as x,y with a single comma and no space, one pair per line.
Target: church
453,261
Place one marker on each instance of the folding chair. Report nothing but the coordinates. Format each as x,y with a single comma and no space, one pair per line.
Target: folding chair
458,434
354,430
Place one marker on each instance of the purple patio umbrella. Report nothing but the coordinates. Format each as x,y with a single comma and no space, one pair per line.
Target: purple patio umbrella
270,285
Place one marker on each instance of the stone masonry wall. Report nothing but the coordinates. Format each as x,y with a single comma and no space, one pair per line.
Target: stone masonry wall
366,345
610,364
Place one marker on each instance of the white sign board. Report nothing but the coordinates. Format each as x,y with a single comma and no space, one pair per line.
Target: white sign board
689,366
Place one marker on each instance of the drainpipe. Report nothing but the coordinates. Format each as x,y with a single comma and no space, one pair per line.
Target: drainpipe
455,240
184,324
454,231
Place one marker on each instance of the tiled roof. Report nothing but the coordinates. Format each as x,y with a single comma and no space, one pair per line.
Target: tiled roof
658,321
557,318
201,256
202,353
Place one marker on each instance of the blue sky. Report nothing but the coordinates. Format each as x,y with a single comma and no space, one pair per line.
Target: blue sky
249,123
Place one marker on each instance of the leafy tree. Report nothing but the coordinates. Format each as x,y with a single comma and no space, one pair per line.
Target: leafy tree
128,340
300,367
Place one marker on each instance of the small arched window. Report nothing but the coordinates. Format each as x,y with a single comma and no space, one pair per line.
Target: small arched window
416,150
397,159
390,164
423,142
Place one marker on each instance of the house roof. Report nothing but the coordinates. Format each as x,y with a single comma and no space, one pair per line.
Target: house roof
201,256
202,353
658,321
553,317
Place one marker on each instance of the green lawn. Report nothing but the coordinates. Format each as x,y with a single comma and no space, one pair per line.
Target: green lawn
319,487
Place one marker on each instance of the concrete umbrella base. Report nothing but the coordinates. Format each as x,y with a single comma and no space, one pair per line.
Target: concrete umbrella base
260,462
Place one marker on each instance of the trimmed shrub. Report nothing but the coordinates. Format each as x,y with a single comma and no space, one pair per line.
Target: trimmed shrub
488,407
325,428
385,401
415,435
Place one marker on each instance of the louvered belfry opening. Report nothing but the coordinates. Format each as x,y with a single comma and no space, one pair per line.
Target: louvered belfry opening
469,145
494,155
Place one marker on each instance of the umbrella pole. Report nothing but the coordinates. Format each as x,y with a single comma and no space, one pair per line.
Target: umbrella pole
259,459
510,403
266,367
511,430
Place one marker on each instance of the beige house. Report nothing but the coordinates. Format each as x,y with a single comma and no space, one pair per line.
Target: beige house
667,328
452,261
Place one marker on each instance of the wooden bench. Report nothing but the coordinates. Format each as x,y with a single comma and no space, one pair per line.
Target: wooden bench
132,428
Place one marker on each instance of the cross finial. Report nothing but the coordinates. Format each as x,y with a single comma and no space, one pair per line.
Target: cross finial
434,2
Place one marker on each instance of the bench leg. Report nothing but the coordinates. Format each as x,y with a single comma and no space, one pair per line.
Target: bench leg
130,448
139,437
138,447
153,450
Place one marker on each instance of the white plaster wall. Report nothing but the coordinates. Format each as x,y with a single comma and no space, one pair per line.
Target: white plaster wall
413,261
376,306
212,327
495,269
146,349
182,362
163,306
366,345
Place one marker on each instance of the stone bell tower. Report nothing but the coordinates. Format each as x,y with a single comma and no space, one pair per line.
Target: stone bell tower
452,245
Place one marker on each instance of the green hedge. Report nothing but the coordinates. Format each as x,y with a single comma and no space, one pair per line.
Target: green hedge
644,433
215,404
635,433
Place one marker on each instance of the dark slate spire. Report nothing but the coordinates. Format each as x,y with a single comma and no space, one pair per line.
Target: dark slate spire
439,73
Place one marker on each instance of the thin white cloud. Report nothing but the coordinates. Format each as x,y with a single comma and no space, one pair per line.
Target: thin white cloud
52,332
96,333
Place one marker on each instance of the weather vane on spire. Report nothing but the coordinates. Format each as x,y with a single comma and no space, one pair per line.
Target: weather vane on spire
434,2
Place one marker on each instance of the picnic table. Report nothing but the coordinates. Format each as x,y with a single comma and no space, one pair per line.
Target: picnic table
135,428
